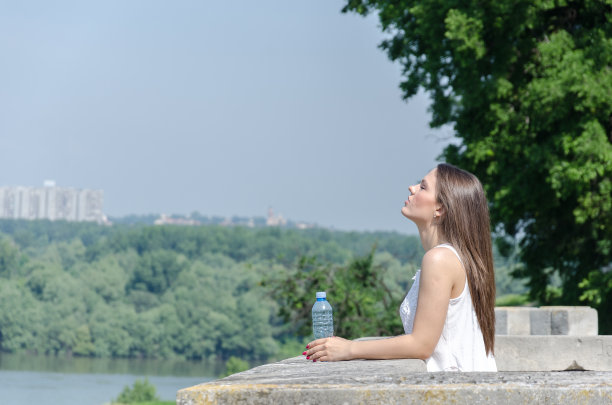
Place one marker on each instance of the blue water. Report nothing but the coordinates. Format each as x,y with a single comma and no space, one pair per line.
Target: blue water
26,380
32,387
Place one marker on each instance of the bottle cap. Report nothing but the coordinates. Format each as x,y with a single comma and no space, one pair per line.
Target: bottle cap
321,294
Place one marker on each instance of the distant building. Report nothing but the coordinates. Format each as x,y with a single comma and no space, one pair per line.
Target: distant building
275,220
52,202
166,220
304,225
272,220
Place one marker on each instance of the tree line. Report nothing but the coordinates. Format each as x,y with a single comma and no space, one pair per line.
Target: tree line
191,292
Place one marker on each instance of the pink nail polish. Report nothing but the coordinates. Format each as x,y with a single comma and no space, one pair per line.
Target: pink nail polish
304,353
307,347
314,361
307,357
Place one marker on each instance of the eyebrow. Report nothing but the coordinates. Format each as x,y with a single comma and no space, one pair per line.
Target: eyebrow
423,181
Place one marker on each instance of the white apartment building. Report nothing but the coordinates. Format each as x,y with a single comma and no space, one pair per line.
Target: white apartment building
51,202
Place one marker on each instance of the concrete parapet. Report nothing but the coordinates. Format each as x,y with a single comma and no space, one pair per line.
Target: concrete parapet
561,320
517,320
297,381
547,353
553,353
535,349
572,321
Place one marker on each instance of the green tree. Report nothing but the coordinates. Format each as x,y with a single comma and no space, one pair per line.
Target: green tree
527,86
364,304
235,365
157,270
83,345
21,316
141,391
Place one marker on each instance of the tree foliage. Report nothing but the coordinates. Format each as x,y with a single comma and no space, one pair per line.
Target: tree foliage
528,88
141,391
121,291
235,365
364,295
69,288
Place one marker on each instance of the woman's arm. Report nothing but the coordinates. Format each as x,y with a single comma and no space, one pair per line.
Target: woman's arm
439,272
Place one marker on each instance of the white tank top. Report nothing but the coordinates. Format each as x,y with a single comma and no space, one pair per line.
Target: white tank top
461,345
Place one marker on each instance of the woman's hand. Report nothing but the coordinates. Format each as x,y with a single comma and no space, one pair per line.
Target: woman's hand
329,349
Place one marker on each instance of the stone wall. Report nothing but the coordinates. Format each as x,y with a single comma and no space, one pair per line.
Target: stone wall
570,321
547,355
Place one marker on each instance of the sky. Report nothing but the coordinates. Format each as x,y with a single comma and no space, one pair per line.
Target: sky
225,108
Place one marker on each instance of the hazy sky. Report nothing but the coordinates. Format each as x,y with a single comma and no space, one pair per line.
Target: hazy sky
226,108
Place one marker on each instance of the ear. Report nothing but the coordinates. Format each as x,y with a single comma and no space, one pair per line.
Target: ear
440,211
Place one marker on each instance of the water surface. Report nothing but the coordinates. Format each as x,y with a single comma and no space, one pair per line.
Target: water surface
37,380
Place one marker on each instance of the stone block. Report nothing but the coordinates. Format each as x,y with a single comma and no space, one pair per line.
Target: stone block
517,320
539,322
573,321
501,321
559,320
553,353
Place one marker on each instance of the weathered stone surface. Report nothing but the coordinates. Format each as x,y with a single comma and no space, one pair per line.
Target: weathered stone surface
553,353
297,381
518,319
539,321
547,353
501,322
573,321
559,322
562,320
527,374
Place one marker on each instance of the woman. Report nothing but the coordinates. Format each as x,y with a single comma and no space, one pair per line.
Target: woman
448,314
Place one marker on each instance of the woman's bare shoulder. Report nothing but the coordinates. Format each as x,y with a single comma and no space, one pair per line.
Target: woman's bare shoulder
441,259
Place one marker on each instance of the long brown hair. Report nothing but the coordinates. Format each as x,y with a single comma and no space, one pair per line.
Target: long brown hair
465,225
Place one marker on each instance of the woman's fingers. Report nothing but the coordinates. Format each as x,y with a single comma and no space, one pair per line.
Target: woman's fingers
327,349
315,349
319,359
314,346
315,343
319,355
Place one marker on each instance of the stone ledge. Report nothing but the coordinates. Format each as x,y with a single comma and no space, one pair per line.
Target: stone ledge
548,353
296,381
553,353
559,320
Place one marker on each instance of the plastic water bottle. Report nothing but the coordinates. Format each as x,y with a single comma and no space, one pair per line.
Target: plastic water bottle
322,317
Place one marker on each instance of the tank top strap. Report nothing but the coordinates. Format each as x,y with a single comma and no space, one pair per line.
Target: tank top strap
466,286
449,246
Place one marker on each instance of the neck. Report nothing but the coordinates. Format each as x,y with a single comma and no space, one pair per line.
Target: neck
429,237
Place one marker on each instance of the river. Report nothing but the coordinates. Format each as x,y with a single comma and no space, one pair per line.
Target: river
38,380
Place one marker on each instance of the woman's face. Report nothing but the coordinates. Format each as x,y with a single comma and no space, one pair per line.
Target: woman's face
421,204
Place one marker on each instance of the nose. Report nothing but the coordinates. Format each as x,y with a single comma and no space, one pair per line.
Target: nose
412,189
